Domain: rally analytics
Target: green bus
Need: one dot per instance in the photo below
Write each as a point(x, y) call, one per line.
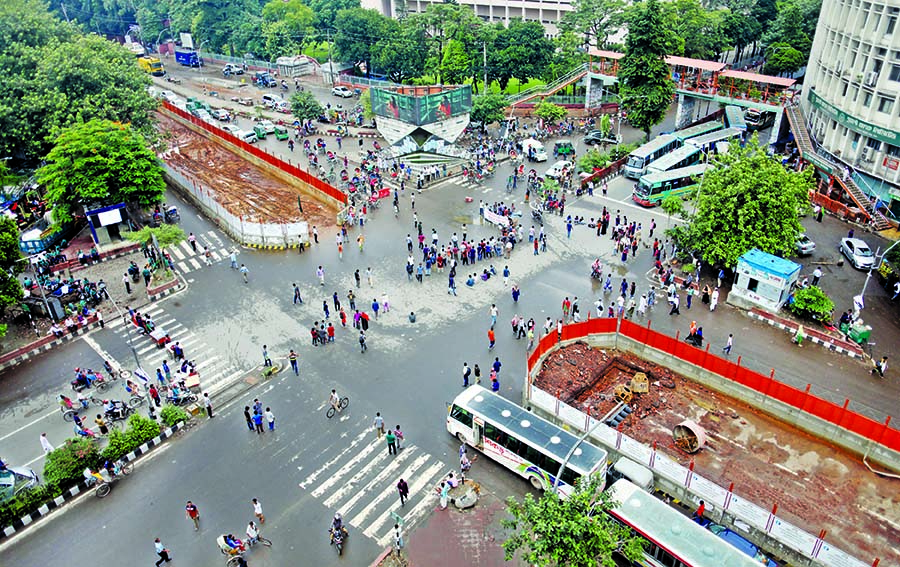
point(698, 130)
point(653, 188)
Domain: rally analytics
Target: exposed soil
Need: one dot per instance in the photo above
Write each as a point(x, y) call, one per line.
point(815, 485)
point(240, 187)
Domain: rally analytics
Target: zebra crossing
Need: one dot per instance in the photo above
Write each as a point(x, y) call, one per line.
point(186, 259)
point(360, 483)
point(215, 371)
point(469, 185)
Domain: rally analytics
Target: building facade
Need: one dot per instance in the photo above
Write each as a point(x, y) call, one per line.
point(547, 12)
point(852, 87)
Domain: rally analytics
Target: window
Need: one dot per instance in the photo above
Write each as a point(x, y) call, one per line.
point(844, 90)
point(753, 285)
point(892, 151)
point(891, 24)
point(867, 100)
point(873, 144)
point(895, 73)
point(461, 416)
point(885, 104)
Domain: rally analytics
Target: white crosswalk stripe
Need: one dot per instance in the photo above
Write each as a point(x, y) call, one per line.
point(215, 371)
point(187, 260)
point(360, 483)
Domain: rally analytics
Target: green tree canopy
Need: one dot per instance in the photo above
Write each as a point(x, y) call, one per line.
point(645, 81)
point(549, 111)
point(305, 106)
point(488, 108)
point(11, 291)
point(401, 53)
point(574, 532)
point(524, 50)
point(100, 163)
point(55, 77)
point(595, 20)
point(782, 58)
point(455, 63)
point(166, 235)
point(358, 31)
point(747, 200)
point(286, 26)
point(788, 28)
point(700, 32)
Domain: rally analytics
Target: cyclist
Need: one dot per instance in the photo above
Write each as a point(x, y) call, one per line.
point(335, 401)
point(252, 533)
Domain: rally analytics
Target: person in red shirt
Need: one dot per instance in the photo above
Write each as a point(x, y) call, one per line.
point(491, 338)
point(330, 333)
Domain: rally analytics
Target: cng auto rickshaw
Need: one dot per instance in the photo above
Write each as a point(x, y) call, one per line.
point(260, 132)
point(281, 133)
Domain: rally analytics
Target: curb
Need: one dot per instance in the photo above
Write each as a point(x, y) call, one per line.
point(381, 556)
point(49, 345)
point(273, 246)
point(76, 267)
point(832, 345)
point(81, 487)
point(168, 291)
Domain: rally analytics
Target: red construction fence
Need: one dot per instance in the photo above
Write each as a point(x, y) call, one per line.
point(802, 400)
point(314, 182)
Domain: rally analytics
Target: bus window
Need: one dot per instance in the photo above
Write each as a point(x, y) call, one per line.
point(495, 434)
point(568, 476)
point(461, 415)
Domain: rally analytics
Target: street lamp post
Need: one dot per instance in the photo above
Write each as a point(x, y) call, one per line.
point(159, 37)
point(41, 287)
point(874, 264)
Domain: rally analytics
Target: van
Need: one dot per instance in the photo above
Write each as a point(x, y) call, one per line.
point(537, 153)
point(636, 474)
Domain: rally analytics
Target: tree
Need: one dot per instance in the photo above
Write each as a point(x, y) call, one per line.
point(782, 58)
point(741, 28)
point(286, 26)
point(326, 13)
point(595, 20)
point(574, 532)
point(549, 111)
point(11, 291)
point(304, 106)
point(358, 31)
point(788, 28)
point(567, 54)
point(166, 235)
point(524, 50)
point(455, 63)
point(812, 303)
point(400, 54)
point(55, 77)
point(747, 200)
point(700, 32)
point(645, 80)
point(487, 109)
point(672, 205)
point(605, 126)
point(100, 163)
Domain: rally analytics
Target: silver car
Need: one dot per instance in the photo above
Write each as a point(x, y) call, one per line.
point(805, 246)
point(858, 252)
point(14, 480)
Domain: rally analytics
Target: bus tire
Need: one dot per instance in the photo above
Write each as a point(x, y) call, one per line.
point(536, 482)
point(460, 437)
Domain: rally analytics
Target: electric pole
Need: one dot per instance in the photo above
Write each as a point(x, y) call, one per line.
point(484, 53)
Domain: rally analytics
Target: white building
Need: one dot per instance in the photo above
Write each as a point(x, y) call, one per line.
point(852, 85)
point(548, 12)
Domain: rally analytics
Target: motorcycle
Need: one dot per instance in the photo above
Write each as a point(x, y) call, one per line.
point(182, 400)
point(337, 538)
point(134, 272)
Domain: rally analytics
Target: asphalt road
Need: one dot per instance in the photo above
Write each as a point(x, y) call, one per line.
point(311, 466)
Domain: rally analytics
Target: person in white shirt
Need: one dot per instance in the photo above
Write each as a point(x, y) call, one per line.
point(252, 532)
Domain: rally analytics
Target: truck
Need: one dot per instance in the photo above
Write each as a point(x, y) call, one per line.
point(187, 57)
point(264, 79)
point(151, 64)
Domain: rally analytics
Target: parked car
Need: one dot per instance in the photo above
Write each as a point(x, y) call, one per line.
point(805, 246)
point(248, 136)
point(595, 137)
point(232, 69)
point(232, 129)
point(858, 252)
point(220, 114)
point(14, 480)
point(557, 169)
point(342, 92)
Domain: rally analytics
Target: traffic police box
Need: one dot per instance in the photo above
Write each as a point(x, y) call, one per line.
point(763, 280)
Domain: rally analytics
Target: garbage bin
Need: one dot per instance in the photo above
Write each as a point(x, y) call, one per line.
point(859, 333)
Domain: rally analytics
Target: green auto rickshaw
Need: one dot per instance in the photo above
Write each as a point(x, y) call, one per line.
point(281, 133)
point(260, 132)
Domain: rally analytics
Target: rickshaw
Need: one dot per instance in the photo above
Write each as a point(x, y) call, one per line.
point(281, 133)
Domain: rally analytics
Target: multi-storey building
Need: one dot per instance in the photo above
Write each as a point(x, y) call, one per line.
point(548, 12)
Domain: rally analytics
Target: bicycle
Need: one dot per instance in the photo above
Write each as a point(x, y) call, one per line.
point(121, 469)
point(343, 403)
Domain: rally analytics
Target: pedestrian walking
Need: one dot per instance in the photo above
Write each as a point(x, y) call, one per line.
point(45, 443)
point(266, 360)
point(817, 275)
point(297, 298)
point(292, 356)
point(675, 300)
point(193, 240)
point(355, 277)
point(378, 424)
point(100, 318)
point(689, 295)
point(207, 402)
point(399, 435)
point(162, 552)
point(336, 301)
point(505, 275)
point(728, 344)
point(466, 373)
point(193, 514)
point(233, 257)
point(244, 271)
point(320, 273)
point(444, 492)
point(248, 417)
point(491, 338)
point(127, 282)
point(257, 511)
point(714, 300)
point(720, 277)
point(315, 232)
point(270, 418)
point(391, 442)
point(494, 313)
point(403, 490)
point(362, 340)
point(325, 309)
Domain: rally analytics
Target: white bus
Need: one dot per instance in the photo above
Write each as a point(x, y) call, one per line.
point(684, 156)
point(708, 142)
point(521, 441)
point(671, 538)
point(639, 159)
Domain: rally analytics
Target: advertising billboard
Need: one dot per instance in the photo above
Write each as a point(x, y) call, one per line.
point(424, 109)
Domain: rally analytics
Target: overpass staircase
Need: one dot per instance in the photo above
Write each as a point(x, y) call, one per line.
point(548, 89)
point(807, 152)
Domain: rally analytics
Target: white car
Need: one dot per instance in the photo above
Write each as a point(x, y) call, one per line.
point(248, 136)
point(559, 168)
point(858, 252)
point(231, 129)
point(221, 114)
point(268, 125)
point(342, 92)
